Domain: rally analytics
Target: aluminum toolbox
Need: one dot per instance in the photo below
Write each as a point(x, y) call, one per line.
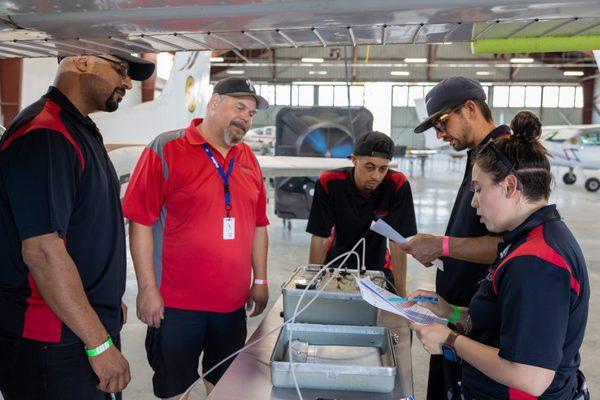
point(335, 377)
point(336, 305)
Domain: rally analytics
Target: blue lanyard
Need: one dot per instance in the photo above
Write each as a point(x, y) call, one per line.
point(223, 175)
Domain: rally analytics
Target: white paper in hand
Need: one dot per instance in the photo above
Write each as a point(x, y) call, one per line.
point(379, 297)
point(384, 229)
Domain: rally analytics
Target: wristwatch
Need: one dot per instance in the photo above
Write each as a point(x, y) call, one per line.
point(448, 347)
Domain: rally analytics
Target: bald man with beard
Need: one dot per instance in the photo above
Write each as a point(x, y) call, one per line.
point(62, 274)
point(198, 236)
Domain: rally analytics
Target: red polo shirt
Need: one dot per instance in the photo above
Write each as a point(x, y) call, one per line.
point(177, 190)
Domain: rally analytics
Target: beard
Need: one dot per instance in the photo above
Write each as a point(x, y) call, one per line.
point(112, 103)
point(231, 137)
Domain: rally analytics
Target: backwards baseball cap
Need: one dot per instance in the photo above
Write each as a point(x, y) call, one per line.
point(374, 144)
point(139, 69)
point(240, 86)
point(447, 94)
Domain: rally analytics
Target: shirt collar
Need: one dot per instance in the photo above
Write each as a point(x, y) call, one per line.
point(499, 131)
point(192, 133)
point(65, 104)
point(541, 216)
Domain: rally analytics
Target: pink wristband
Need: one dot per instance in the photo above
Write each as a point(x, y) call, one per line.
point(260, 281)
point(446, 246)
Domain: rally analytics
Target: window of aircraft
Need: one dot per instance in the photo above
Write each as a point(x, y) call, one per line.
point(2, 129)
point(590, 139)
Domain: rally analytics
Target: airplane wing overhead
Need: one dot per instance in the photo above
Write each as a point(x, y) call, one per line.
point(36, 28)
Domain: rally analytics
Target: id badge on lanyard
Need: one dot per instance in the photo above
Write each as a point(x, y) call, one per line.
point(228, 221)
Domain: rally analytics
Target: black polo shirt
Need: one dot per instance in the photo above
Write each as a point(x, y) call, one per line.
point(533, 306)
point(338, 204)
point(55, 176)
point(457, 282)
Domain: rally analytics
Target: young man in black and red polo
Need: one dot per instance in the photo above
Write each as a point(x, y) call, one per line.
point(62, 239)
point(347, 200)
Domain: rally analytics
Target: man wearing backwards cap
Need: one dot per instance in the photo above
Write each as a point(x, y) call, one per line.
point(347, 200)
point(198, 232)
point(62, 239)
point(460, 116)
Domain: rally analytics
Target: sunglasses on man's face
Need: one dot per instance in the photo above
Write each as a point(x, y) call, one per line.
point(121, 67)
point(511, 169)
point(440, 123)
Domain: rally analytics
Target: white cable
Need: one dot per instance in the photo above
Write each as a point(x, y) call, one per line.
point(293, 318)
point(296, 313)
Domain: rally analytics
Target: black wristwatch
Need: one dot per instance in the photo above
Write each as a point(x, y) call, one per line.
point(448, 347)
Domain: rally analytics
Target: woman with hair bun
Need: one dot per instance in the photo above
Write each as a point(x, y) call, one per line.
point(521, 334)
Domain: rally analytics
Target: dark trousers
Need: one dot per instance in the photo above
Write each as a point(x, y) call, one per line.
point(31, 370)
point(442, 374)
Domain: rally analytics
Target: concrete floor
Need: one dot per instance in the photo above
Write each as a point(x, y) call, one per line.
point(433, 197)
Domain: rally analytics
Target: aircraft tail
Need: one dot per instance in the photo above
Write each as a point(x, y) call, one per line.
point(183, 98)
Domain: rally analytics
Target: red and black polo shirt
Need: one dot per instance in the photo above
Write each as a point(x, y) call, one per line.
point(176, 189)
point(341, 213)
point(533, 306)
point(55, 176)
point(458, 281)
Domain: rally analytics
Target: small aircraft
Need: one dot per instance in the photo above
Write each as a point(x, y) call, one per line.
point(575, 147)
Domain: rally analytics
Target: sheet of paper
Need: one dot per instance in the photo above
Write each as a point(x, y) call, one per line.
point(379, 297)
point(384, 229)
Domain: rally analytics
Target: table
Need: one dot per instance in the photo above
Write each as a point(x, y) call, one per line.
point(249, 376)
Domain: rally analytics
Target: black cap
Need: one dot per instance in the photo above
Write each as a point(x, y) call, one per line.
point(449, 93)
point(139, 69)
point(374, 144)
point(240, 86)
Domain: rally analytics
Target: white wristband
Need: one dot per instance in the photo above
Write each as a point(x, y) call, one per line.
point(260, 281)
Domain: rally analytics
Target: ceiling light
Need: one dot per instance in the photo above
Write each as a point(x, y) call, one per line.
point(400, 73)
point(312, 60)
point(415, 60)
point(217, 59)
point(518, 60)
point(317, 72)
point(484, 73)
point(573, 73)
point(235, 71)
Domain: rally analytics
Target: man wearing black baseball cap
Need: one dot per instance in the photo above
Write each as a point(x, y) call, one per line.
point(460, 116)
point(347, 200)
point(64, 273)
point(197, 198)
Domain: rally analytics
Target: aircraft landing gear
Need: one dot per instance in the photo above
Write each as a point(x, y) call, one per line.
point(592, 184)
point(569, 178)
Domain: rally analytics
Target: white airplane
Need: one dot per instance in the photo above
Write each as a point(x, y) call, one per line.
point(575, 147)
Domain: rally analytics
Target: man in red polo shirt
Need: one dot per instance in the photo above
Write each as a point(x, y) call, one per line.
point(198, 229)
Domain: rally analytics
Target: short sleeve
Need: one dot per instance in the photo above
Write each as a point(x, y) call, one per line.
point(534, 303)
point(320, 219)
point(145, 192)
point(261, 205)
point(41, 173)
point(402, 212)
